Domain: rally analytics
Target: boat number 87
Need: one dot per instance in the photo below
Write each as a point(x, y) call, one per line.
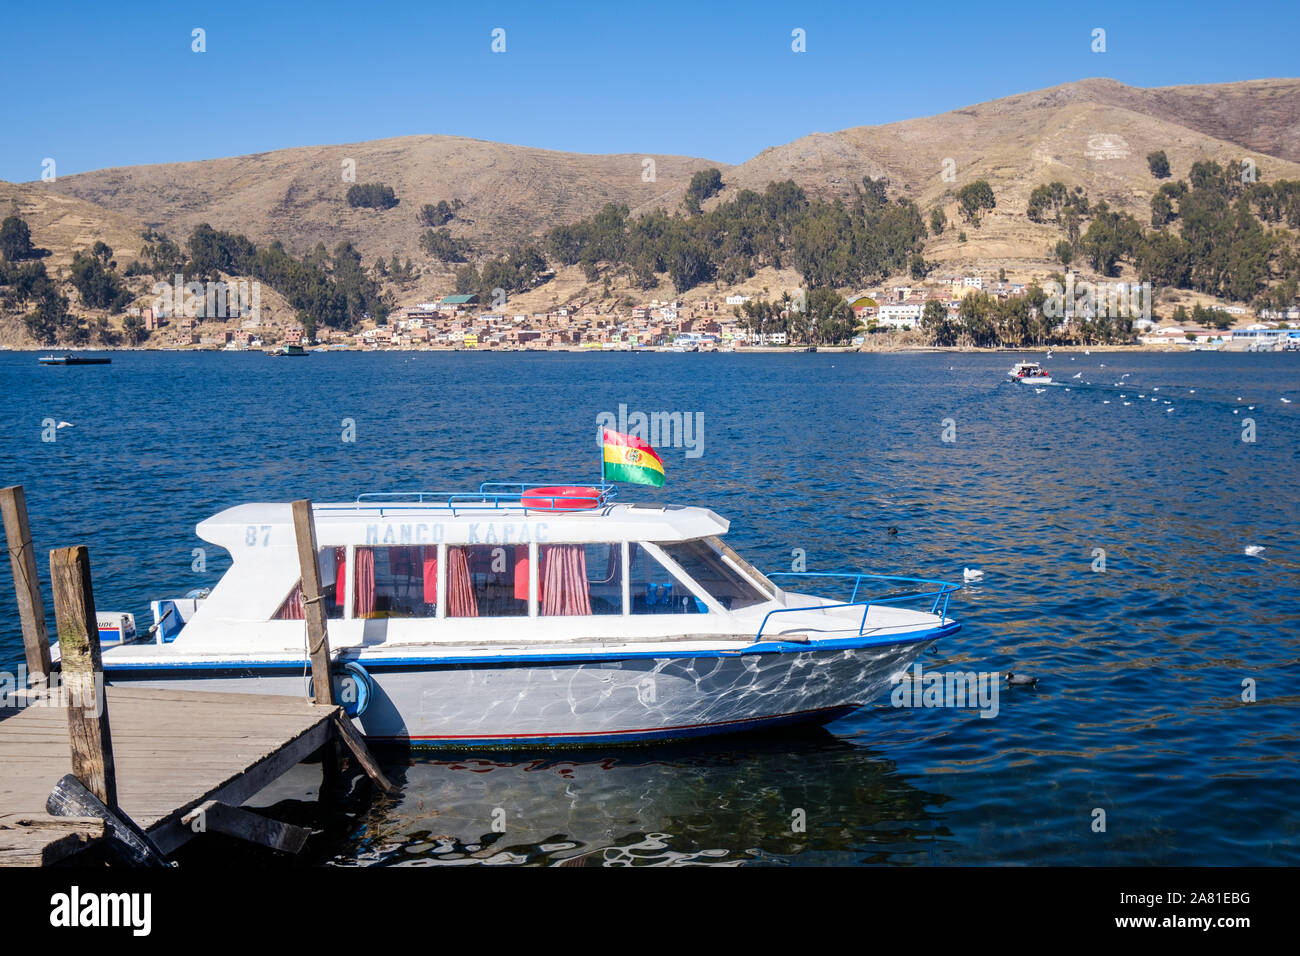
point(251, 534)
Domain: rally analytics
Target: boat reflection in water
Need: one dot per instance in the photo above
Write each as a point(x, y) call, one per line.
point(749, 799)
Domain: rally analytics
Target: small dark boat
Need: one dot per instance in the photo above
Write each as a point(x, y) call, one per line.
point(73, 360)
point(285, 350)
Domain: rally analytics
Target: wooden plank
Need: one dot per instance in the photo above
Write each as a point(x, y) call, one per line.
point(212, 816)
point(313, 608)
point(74, 615)
point(169, 832)
point(126, 841)
point(31, 607)
point(348, 734)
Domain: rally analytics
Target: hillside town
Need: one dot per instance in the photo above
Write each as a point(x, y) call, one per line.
point(888, 317)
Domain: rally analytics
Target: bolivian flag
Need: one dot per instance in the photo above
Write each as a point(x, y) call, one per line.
point(628, 458)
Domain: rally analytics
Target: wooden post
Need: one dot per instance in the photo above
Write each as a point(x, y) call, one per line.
point(83, 672)
point(31, 608)
point(313, 610)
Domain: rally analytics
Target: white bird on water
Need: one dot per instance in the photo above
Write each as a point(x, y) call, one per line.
point(1254, 550)
point(1039, 391)
point(64, 425)
point(1127, 404)
point(1106, 401)
point(971, 574)
point(1078, 375)
point(1287, 401)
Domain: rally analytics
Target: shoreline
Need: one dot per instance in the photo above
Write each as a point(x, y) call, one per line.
point(758, 350)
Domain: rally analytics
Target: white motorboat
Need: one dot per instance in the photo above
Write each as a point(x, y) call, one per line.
point(1029, 373)
point(522, 616)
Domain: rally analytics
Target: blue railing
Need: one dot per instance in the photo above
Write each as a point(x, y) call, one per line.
point(939, 604)
point(492, 495)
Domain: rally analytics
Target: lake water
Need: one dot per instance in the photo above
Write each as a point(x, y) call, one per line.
point(1138, 711)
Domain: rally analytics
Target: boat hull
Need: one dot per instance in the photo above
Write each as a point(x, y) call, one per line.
point(633, 699)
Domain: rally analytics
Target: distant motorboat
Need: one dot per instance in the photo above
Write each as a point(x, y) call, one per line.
point(72, 360)
point(1029, 373)
point(288, 350)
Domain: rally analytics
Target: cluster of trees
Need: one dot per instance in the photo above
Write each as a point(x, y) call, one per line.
point(159, 257)
point(1158, 163)
point(372, 196)
point(332, 288)
point(973, 199)
point(1059, 203)
point(444, 212)
point(1200, 315)
point(1222, 232)
point(95, 277)
point(522, 269)
point(25, 284)
point(704, 184)
point(440, 244)
point(823, 317)
point(1017, 321)
point(16, 241)
point(831, 243)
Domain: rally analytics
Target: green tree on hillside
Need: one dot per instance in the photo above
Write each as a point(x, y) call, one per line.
point(1158, 163)
point(974, 198)
point(16, 240)
point(704, 184)
point(372, 196)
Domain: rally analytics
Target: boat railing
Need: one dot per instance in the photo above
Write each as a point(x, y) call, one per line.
point(523, 496)
point(937, 592)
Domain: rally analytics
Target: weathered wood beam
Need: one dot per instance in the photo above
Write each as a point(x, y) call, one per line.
point(31, 607)
point(348, 734)
point(313, 608)
point(213, 816)
point(126, 842)
point(83, 672)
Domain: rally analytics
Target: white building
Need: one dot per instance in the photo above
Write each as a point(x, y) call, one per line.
point(900, 314)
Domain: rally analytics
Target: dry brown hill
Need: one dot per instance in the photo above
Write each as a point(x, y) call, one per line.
point(298, 195)
point(1095, 133)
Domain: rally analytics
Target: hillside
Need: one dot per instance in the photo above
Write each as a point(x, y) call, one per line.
point(298, 196)
point(1094, 133)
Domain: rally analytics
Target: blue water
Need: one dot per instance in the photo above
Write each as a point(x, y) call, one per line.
point(1138, 711)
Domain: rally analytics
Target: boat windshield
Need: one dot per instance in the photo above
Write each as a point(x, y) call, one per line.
point(704, 564)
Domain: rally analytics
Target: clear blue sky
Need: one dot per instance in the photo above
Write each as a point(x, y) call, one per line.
point(111, 84)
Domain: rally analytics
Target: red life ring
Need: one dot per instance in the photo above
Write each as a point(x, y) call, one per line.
point(561, 498)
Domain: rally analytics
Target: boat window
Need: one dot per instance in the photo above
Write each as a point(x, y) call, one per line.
point(333, 590)
point(580, 579)
point(655, 589)
point(707, 569)
point(487, 581)
point(396, 582)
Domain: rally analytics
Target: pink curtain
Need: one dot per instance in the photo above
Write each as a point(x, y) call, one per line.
point(564, 580)
point(521, 572)
point(460, 586)
point(365, 573)
point(291, 609)
point(430, 575)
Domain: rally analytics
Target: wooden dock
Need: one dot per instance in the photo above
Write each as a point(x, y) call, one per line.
point(175, 763)
point(174, 752)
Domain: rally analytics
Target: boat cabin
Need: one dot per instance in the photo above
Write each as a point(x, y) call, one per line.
point(448, 568)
